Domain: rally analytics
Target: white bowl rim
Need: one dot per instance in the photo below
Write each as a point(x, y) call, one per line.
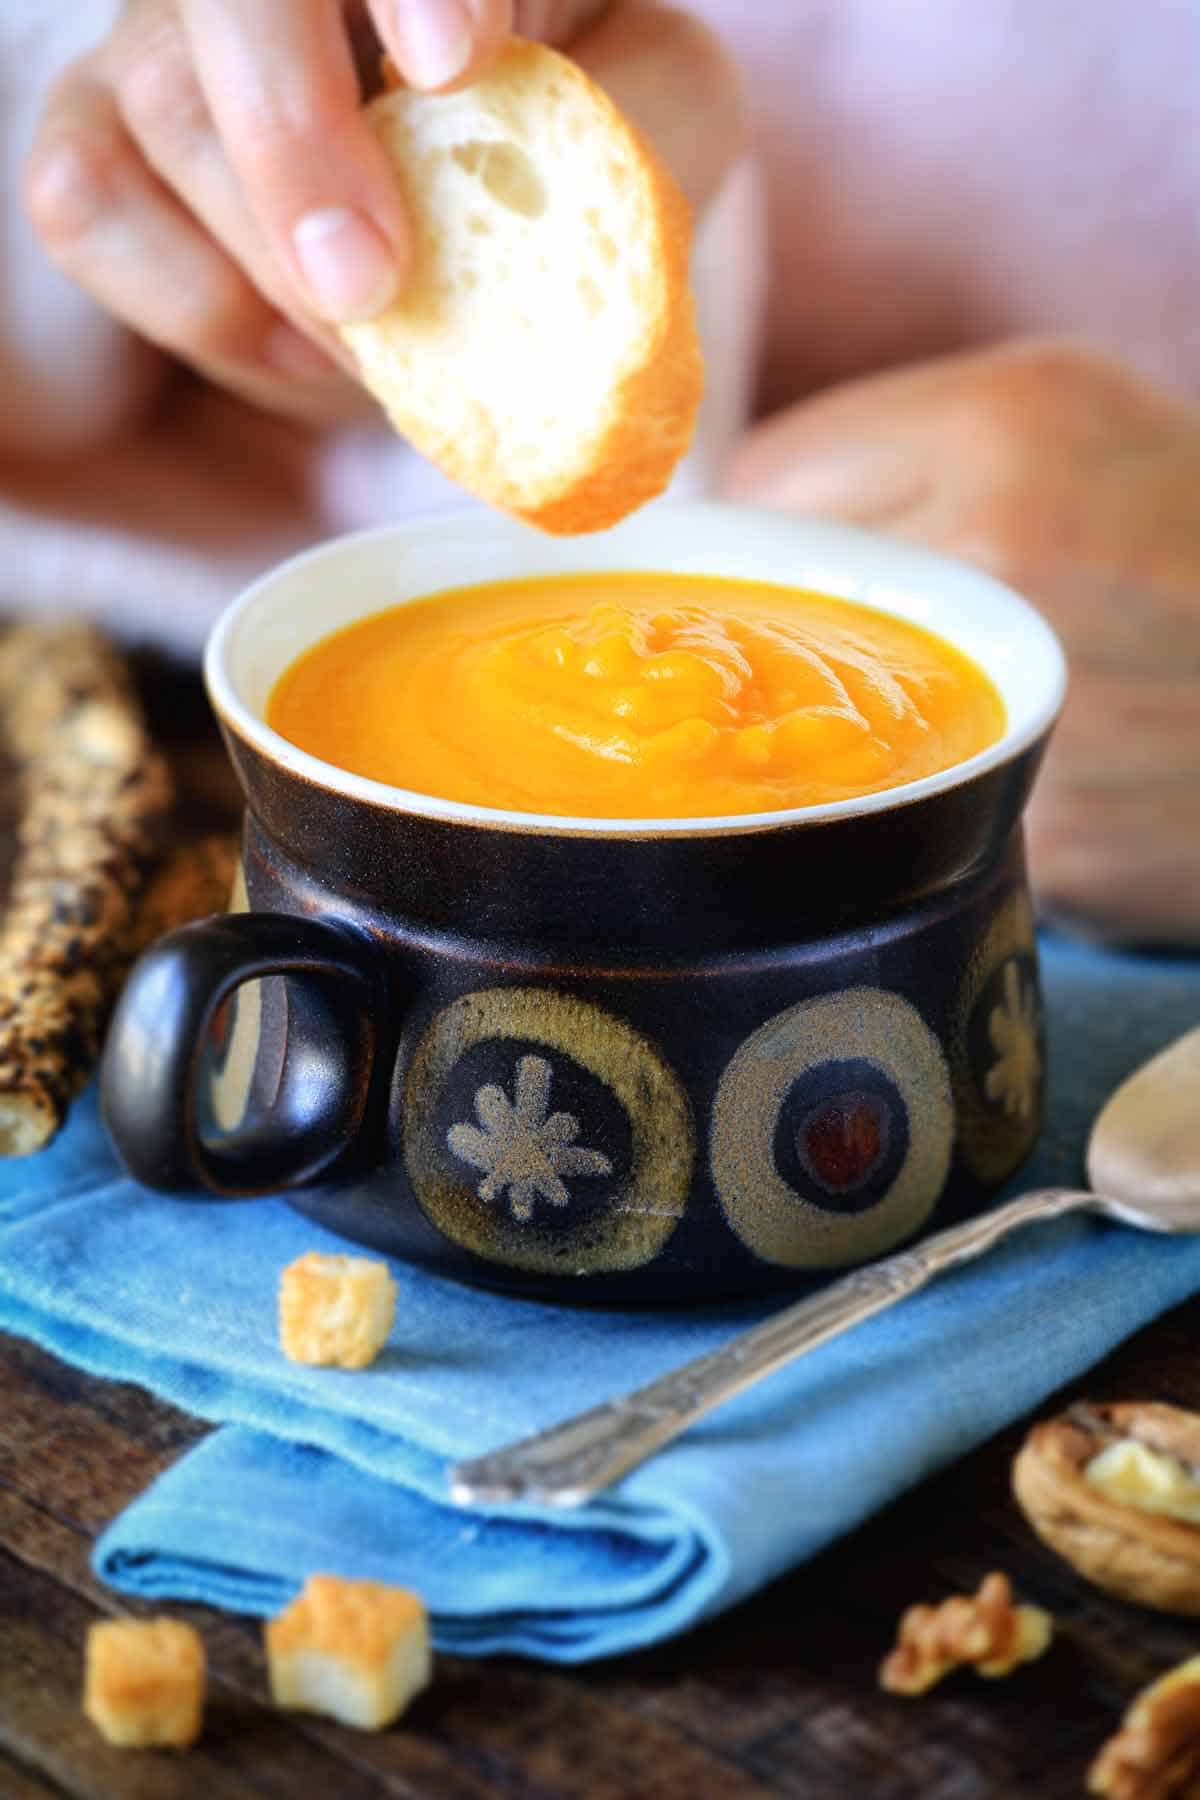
point(834, 540)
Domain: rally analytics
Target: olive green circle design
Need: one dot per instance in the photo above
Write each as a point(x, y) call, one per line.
point(770, 1218)
point(991, 1142)
point(639, 1219)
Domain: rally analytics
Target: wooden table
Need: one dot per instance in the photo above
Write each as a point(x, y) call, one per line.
point(776, 1698)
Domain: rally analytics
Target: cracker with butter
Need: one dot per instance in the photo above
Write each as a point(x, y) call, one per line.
point(1115, 1490)
point(544, 350)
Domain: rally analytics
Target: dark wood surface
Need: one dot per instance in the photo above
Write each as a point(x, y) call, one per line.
point(778, 1697)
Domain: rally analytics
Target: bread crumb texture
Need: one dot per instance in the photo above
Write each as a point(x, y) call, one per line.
point(544, 351)
point(356, 1651)
point(1111, 1488)
point(335, 1310)
point(144, 1682)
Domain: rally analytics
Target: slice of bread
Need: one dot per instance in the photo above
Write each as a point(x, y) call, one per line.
point(544, 352)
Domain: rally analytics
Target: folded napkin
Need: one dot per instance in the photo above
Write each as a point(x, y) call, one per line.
point(320, 1469)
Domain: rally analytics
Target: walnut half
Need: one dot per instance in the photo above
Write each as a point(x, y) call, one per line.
point(984, 1629)
point(1156, 1753)
point(1115, 1490)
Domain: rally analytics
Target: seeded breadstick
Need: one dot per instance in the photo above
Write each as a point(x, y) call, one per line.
point(93, 803)
point(194, 880)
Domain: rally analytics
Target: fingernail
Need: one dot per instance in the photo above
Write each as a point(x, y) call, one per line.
point(346, 263)
point(288, 350)
point(437, 40)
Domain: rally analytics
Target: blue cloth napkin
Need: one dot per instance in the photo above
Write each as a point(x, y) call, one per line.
point(319, 1469)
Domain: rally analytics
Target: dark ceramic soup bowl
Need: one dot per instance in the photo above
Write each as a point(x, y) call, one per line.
point(615, 1060)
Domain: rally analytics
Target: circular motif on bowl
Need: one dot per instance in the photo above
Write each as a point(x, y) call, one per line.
point(544, 1133)
point(832, 1130)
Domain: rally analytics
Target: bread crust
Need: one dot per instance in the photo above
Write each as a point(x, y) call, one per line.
point(651, 406)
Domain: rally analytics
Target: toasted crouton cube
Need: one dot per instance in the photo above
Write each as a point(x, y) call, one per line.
point(335, 1309)
point(144, 1682)
point(356, 1651)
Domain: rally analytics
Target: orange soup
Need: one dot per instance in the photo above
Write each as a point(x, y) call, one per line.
point(637, 696)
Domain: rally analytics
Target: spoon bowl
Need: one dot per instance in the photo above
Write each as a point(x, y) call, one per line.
point(1143, 1159)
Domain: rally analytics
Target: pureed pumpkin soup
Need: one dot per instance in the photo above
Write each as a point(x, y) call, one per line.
point(631, 695)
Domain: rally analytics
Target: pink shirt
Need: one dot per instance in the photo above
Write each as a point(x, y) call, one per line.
point(946, 172)
point(937, 175)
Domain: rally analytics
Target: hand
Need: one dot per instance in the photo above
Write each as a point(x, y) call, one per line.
point(205, 173)
point(1074, 480)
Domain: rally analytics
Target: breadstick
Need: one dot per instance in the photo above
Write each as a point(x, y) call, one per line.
point(193, 880)
point(93, 798)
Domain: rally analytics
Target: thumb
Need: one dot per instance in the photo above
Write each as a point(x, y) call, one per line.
point(863, 482)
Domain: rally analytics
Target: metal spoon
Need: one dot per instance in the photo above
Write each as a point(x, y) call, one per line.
point(1143, 1163)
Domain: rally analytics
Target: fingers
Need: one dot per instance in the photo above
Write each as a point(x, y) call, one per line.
point(148, 62)
point(1124, 729)
point(220, 144)
point(870, 482)
point(441, 43)
point(824, 461)
point(1074, 482)
point(1120, 864)
point(279, 80)
point(108, 222)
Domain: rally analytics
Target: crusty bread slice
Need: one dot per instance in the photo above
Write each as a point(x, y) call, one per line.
point(544, 352)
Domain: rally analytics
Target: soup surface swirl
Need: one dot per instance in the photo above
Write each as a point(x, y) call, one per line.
point(637, 695)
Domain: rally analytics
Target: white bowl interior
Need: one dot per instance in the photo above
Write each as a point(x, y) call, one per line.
point(303, 600)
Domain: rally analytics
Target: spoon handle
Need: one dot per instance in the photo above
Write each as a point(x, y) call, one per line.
point(569, 1462)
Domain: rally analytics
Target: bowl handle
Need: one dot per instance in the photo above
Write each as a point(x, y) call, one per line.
point(154, 1054)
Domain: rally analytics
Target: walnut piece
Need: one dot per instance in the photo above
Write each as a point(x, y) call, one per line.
point(1156, 1753)
point(1109, 1487)
point(984, 1629)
